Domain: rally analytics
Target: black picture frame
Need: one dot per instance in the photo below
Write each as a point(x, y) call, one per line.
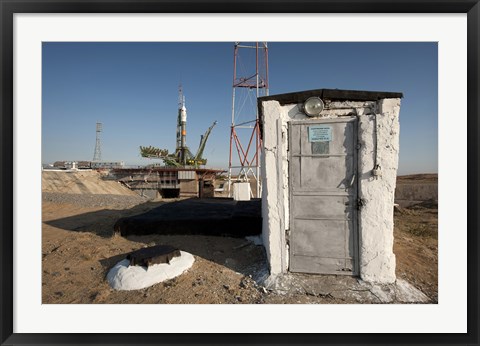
point(7, 10)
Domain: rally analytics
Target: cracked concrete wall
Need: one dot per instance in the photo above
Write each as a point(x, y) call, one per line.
point(275, 186)
point(377, 261)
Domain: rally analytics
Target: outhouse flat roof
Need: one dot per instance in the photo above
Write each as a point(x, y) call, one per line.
point(331, 94)
point(325, 94)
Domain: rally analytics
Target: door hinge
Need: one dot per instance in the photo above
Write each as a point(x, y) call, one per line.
point(360, 203)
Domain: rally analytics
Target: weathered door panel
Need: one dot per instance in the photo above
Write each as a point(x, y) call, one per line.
point(324, 173)
point(323, 265)
point(323, 192)
point(314, 206)
point(322, 236)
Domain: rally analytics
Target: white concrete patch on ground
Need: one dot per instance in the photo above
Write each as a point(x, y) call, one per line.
point(344, 287)
point(126, 278)
point(407, 293)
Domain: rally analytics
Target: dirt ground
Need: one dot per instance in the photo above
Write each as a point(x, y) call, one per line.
point(416, 247)
point(82, 182)
point(416, 237)
point(78, 249)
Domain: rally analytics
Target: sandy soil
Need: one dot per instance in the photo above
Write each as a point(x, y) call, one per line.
point(416, 247)
point(75, 263)
point(78, 249)
point(81, 182)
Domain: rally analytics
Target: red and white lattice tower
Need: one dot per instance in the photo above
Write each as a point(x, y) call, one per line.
point(250, 81)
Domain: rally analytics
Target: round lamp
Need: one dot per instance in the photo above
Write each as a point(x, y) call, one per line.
point(313, 106)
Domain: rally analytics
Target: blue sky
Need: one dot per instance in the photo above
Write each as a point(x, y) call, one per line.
point(132, 88)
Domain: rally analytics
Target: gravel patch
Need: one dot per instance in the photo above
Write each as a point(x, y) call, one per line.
point(94, 200)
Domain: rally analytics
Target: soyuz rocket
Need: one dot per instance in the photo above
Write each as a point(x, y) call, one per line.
point(182, 148)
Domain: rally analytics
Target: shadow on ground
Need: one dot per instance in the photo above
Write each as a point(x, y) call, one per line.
point(213, 229)
point(238, 254)
point(100, 222)
point(209, 216)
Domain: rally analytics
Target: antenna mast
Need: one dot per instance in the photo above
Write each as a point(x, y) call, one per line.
point(97, 156)
point(250, 81)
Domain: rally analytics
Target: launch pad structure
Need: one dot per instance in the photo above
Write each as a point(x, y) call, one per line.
point(182, 157)
point(250, 81)
point(183, 174)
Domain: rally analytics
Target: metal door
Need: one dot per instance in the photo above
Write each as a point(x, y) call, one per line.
point(323, 193)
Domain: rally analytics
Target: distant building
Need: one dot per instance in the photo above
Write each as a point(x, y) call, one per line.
point(88, 165)
point(59, 164)
point(65, 165)
point(108, 165)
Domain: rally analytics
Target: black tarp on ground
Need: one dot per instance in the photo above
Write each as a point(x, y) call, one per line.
point(207, 216)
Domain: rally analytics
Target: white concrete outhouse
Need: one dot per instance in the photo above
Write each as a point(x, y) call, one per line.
point(329, 169)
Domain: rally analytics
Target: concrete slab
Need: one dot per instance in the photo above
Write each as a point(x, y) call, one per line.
point(125, 277)
point(406, 293)
point(349, 289)
point(207, 216)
